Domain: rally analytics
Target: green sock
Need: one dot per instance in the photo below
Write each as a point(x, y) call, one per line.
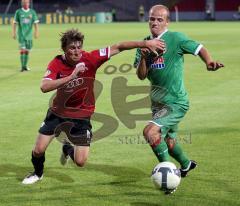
point(178, 154)
point(161, 151)
point(25, 60)
point(22, 57)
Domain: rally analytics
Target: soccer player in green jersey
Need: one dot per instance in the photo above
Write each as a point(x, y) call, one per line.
point(25, 18)
point(168, 95)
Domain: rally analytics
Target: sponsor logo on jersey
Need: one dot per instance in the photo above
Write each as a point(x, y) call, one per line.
point(74, 83)
point(158, 63)
point(102, 52)
point(26, 21)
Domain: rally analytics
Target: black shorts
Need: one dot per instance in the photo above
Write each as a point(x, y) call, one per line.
point(78, 131)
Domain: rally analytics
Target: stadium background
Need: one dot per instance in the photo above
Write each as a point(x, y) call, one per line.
point(125, 10)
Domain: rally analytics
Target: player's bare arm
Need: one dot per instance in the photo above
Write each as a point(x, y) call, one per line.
point(14, 34)
point(152, 45)
point(210, 63)
point(36, 33)
point(142, 69)
point(48, 85)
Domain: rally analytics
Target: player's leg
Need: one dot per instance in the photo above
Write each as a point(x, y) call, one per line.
point(38, 153)
point(81, 155)
point(152, 133)
point(25, 60)
point(26, 56)
point(38, 158)
point(174, 147)
point(79, 134)
point(44, 138)
point(78, 154)
point(22, 47)
point(177, 153)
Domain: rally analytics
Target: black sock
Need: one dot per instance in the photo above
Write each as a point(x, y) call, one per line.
point(38, 164)
point(68, 150)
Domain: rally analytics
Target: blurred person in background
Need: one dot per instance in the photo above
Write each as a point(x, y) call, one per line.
point(141, 13)
point(69, 11)
point(24, 20)
point(114, 17)
point(237, 15)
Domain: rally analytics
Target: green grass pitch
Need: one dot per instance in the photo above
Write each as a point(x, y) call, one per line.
point(118, 169)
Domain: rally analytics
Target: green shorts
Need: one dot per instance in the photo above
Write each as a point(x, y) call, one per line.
point(167, 117)
point(25, 44)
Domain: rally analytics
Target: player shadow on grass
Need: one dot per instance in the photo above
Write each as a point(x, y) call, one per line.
point(145, 204)
point(19, 172)
point(3, 78)
point(124, 175)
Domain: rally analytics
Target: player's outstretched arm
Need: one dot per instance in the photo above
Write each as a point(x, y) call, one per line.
point(152, 45)
point(210, 63)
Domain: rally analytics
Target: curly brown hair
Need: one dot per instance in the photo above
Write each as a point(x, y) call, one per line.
point(69, 37)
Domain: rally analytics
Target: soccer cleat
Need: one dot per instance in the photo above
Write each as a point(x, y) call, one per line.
point(192, 165)
point(64, 156)
point(26, 69)
point(170, 192)
point(31, 179)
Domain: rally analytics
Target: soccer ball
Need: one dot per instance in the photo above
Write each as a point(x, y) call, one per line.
point(166, 176)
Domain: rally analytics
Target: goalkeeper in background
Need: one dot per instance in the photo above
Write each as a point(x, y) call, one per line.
point(25, 18)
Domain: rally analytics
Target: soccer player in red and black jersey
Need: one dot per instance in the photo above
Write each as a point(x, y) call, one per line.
point(72, 75)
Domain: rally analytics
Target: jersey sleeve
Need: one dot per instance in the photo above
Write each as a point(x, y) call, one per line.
point(16, 17)
point(137, 58)
point(35, 17)
point(52, 71)
point(189, 46)
point(99, 56)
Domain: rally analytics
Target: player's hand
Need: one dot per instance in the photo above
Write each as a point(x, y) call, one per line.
point(145, 52)
point(156, 46)
point(14, 36)
point(80, 68)
point(213, 66)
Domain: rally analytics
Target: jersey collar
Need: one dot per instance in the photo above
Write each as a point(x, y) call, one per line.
point(25, 10)
point(160, 35)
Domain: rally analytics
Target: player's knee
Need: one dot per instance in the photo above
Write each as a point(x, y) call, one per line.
point(146, 132)
point(80, 162)
point(38, 152)
point(150, 133)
